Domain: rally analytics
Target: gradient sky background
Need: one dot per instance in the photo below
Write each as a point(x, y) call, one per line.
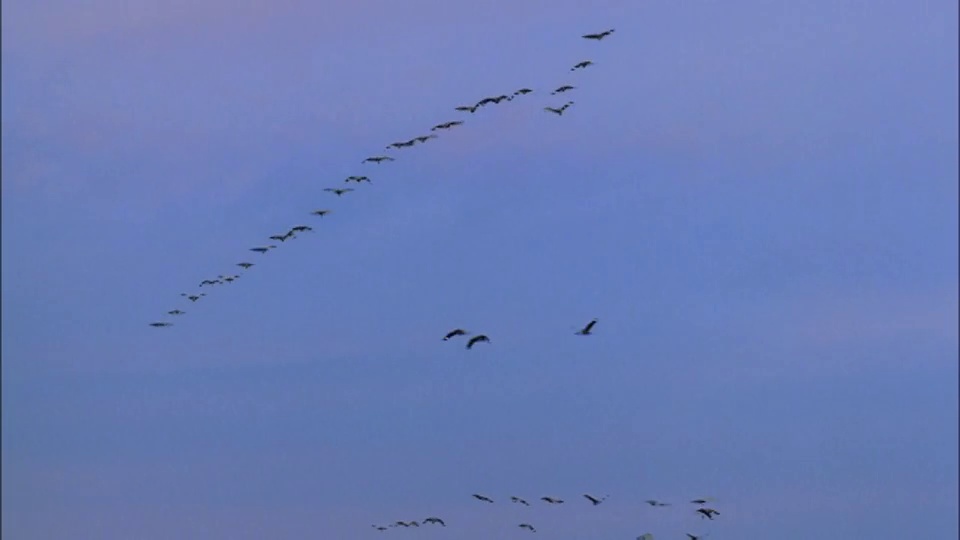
point(758, 200)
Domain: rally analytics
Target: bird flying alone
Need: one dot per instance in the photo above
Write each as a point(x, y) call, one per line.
point(522, 92)
point(338, 191)
point(593, 499)
point(599, 35)
point(551, 500)
point(435, 520)
point(176, 312)
point(588, 329)
point(263, 249)
point(160, 324)
point(562, 89)
point(358, 179)
point(378, 159)
point(483, 498)
point(477, 339)
point(518, 500)
point(581, 65)
point(559, 111)
point(245, 265)
point(454, 333)
point(527, 526)
point(320, 213)
point(193, 297)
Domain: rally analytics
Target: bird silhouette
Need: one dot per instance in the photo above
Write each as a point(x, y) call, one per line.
point(593, 499)
point(455, 332)
point(562, 89)
point(378, 159)
point(161, 324)
point(483, 498)
point(519, 501)
point(588, 329)
point(598, 36)
point(552, 500)
point(527, 526)
point(435, 520)
point(339, 191)
point(245, 265)
point(581, 65)
point(320, 213)
point(477, 339)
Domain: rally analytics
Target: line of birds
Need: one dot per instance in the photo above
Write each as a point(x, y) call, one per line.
point(704, 512)
point(379, 159)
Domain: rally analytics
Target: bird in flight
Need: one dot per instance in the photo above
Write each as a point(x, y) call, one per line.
point(707, 513)
point(562, 89)
point(378, 159)
point(263, 249)
point(527, 526)
point(598, 36)
point(693, 536)
point(447, 125)
point(320, 213)
point(477, 339)
point(652, 502)
point(559, 111)
point(522, 91)
point(551, 500)
point(435, 520)
point(454, 333)
point(581, 65)
point(467, 108)
point(700, 501)
point(245, 265)
point(588, 329)
point(193, 297)
point(519, 500)
point(379, 527)
point(160, 324)
point(593, 499)
point(358, 179)
point(282, 237)
point(176, 312)
point(338, 191)
point(210, 282)
point(483, 498)
point(424, 138)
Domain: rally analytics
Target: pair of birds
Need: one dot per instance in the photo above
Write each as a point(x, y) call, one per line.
point(480, 338)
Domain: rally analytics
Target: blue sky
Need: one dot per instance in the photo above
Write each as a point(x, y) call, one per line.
point(758, 201)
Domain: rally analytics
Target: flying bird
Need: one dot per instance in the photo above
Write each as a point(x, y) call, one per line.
point(301, 228)
point(245, 265)
point(693, 536)
point(527, 526)
point(210, 282)
point(483, 498)
point(454, 333)
point(379, 527)
point(522, 91)
point(446, 125)
point(160, 324)
point(700, 501)
point(176, 312)
point(593, 499)
point(262, 249)
point(562, 89)
point(581, 65)
point(599, 36)
point(424, 138)
point(519, 500)
point(320, 213)
point(358, 179)
point(652, 502)
point(193, 297)
point(588, 329)
point(707, 513)
point(435, 520)
point(282, 237)
point(559, 111)
point(378, 159)
point(467, 108)
point(551, 500)
point(477, 339)
point(339, 191)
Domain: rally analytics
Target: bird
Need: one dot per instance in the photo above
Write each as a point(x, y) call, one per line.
point(400, 524)
point(652, 502)
point(320, 213)
point(527, 526)
point(282, 237)
point(483, 498)
point(519, 500)
point(707, 512)
point(338, 191)
point(176, 312)
point(412, 524)
point(379, 527)
point(581, 65)
point(210, 282)
point(522, 91)
point(559, 111)
point(301, 228)
point(477, 339)
point(358, 179)
point(424, 138)
point(193, 297)
point(436, 520)
point(593, 499)
point(447, 125)
point(160, 324)
point(400, 144)
point(467, 108)
point(551, 500)
point(245, 265)
point(700, 501)
point(378, 159)
point(599, 36)
point(562, 89)
point(588, 329)
point(693, 536)
point(262, 249)
point(454, 333)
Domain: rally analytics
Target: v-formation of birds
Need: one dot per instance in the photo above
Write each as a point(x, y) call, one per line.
point(341, 190)
point(703, 511)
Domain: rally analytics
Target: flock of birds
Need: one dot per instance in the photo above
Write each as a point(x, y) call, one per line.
point(703, 511)
point(474, 338)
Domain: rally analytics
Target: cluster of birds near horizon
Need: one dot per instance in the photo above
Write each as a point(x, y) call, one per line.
point(472, 338)
point(703, 511)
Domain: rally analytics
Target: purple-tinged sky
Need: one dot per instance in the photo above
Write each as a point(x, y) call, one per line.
point(758, 200)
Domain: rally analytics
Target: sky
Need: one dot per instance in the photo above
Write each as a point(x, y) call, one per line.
point(757, 200)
